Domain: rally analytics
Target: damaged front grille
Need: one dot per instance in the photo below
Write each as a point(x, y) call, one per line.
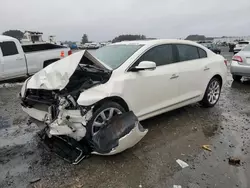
point(39, 96)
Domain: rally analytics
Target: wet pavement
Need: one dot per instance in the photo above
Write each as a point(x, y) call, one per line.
point(179, 134)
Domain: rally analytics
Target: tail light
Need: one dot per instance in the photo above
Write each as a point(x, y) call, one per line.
point(69, 52)
point(225, 61)
point(62, 54)
point(237, 58)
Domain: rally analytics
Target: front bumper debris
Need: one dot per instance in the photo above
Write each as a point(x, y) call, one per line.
point(121, 133)
point(65, 147)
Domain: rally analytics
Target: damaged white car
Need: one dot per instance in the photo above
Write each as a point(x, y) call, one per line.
point(80, 95)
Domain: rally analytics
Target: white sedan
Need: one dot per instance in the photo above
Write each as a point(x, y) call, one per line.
point(146, 77)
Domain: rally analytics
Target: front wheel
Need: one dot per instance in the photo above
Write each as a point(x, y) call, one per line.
point(102, 115)
point(212, 93)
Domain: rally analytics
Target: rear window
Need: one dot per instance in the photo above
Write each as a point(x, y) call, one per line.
point(40, 47)
point(202, 53)
point(8, 48)
point(187, 52)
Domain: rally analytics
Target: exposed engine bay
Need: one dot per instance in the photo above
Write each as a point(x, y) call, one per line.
point(54, 97)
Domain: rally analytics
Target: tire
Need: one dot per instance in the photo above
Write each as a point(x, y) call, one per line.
point(211, 97)
point(237, 78)
point(96, 113)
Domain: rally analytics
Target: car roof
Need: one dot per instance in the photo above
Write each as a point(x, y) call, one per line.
point(4, 38)
point(156, 41)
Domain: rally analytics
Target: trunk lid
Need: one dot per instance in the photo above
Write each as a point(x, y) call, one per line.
point(56, 76)
point(245, 55)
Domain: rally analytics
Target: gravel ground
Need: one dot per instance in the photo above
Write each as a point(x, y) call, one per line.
point(151, 163)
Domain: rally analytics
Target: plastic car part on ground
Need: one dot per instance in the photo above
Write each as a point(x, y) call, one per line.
point(206, 147)
point(182, 163)
point(122, 132)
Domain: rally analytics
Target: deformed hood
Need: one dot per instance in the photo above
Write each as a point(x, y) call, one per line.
point(56, 76)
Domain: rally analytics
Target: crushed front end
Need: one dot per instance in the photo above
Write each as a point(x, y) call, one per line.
point(51, 96)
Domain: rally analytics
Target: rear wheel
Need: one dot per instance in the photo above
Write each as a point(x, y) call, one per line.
point(237, 78)
point(212, 93)
point(102, 115)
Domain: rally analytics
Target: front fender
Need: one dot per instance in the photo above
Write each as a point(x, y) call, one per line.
point(97, 93)
point(91, 96)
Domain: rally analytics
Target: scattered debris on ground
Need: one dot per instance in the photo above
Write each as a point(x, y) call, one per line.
point(234, 161)
point(8, 85)
point(182, 163)
point(206, 147)
point(35, 180)
point(177, 186)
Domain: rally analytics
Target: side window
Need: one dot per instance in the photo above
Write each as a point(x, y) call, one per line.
point(187, 52)
point(202, 53)
point(161, 55)
point(8, 48)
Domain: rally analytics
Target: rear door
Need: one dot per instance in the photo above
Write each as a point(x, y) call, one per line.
point(13, 60)
point(192, 66)
point(149, 92)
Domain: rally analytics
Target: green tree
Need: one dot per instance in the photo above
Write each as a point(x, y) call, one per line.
point(85, 39)
point(128, 37)
point(14, 33)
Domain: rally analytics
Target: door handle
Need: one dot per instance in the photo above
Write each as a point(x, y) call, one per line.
point(174, 76)
point(19, 58)
point(206, 68)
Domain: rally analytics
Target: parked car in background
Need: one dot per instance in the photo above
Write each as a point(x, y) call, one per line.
point(18, 60)
point(240, 46)
point(73, 46)
point(231, 46)
point(146, 77)
point(240, 65)
point(92, 45)
point(213, 47)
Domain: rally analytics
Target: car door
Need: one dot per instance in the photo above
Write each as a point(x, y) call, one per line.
point(151, 91)
point(12, 59)
point(191, 66)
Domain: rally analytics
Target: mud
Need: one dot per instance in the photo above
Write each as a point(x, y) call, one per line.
point(179, 134)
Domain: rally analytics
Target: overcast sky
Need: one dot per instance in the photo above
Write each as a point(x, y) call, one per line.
point(105, 19)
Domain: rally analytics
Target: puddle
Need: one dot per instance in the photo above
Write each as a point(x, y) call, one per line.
point(4, 122)
point(8, 85)
point(17, 135)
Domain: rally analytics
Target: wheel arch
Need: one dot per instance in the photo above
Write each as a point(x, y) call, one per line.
point(49, 61)
point(115, 99)
point(215, 76)
point(219, 77)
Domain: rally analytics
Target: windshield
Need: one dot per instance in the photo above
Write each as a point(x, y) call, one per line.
point(247, 48)
point(116, 55)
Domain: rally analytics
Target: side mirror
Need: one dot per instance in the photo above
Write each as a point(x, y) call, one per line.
point(144, 65)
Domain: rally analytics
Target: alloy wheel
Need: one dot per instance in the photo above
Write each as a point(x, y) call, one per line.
point(103, 117)
point(213, 92)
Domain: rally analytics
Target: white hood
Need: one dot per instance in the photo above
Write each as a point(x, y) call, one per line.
point(57, 75)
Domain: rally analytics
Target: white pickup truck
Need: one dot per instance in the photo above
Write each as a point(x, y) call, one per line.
point(18, 60)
